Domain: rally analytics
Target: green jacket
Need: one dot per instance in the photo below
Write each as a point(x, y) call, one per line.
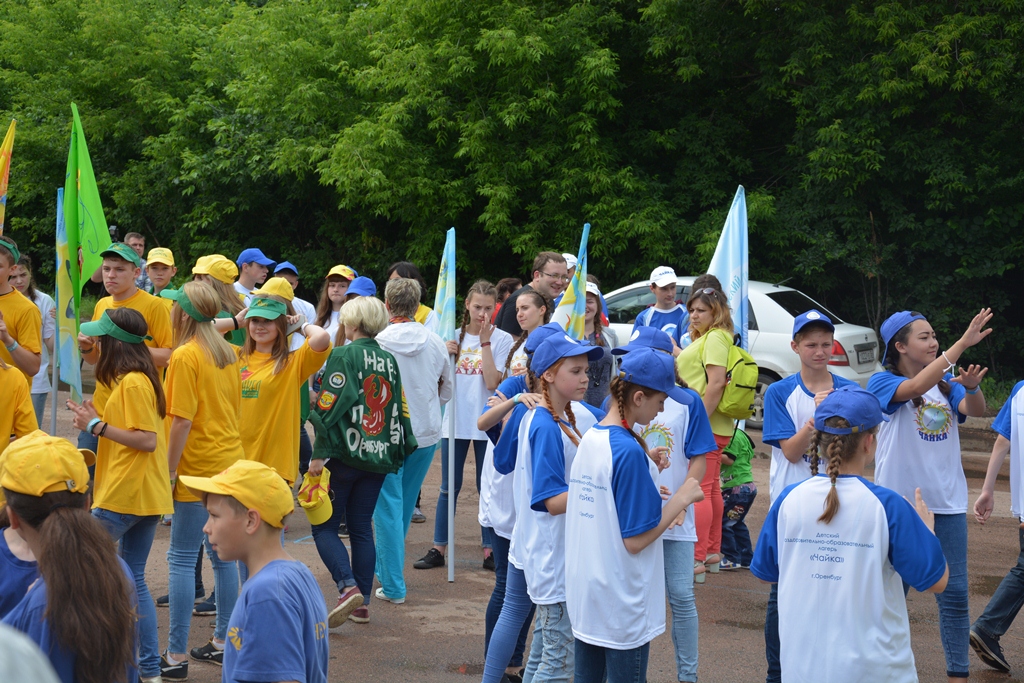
point(360, 416)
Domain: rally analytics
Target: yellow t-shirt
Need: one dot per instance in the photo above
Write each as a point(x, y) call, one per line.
point(17, 416)
point(210, 397)
point(421, 314)
point(24, 323)
point(131, 482)
point(158, 319)
point(713, 351)
point(270, 408)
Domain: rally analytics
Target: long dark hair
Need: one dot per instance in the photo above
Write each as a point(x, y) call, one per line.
point(30, 289)
point(324, 307)
point(892, 359)
point(280, 351)
point(539, 300)
point(118, 358)
point(838, 447)
point(408, 269)
point(88, 596)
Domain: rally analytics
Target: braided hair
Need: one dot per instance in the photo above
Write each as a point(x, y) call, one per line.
point(569, 416)
point(540, 301)
point(838, 448)
point(482, 287)
point(621, 390)
point(892, 360)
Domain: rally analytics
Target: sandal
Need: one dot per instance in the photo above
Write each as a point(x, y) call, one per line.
point(699, 572)
point(713, 563)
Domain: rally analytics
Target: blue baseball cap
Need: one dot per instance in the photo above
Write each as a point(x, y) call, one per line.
point(253, 255)
point(362, 286)
point(857, 406)
point(893, 324)
point(559, 346)
point(539, 335)
point(286, 265)
point(646, 338)
point(653, 369)
point(811, 316)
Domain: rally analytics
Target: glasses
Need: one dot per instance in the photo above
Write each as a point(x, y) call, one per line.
point(709, 291)
point(563, 278)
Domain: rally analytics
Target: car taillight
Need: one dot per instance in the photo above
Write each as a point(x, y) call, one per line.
point(839, 356)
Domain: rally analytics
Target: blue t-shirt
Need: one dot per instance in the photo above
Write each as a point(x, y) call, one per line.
point(507, 447)
point(1003, 424)
point(278, 629)
point(637, 501)
point(15, 577)
point(508, 388)
point(672, 322)
point(548, 456)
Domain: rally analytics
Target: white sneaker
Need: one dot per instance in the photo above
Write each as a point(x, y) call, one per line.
point(379, 594)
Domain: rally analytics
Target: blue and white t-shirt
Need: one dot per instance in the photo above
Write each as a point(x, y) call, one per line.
point(788, 405)
point(615, 599)
point(841, 584)
point(1008, 424)
point(672, 322)
point(920, 446)
point(16, 575)
point(683, 428)
point(278, 629)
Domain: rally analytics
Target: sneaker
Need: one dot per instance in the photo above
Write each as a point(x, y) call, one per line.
point(489, 562)
point(418, 517)
point(432, 559)
point(164, 600)
point(173, 672)
point(727, 566)
point(989, 651)
point(379, 594)
point(165, 520)
point(206, 607)
point(347, 603)
point(361, 615)
point(512, 678)
point(208, 653)
point(343, 530)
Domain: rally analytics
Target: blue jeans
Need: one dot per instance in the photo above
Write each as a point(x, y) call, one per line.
point(187, 535)
point(1006, 602)
point(305, 450)
point(39, 405)
point(679, 589)
point(516, 610)
point(771, 637)
point(461, 452)
point(551, 653)
point(596, 664)
point(92, 443)
point(500, 547)
point(736, 502)
point(954, 617)
point(354, 493)
point(393, 515)
point(135, 536)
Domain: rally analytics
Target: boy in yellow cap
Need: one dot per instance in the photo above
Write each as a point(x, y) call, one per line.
point(160, 269)
point(278, 629)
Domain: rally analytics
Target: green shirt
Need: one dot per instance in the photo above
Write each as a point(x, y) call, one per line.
point(739, 472)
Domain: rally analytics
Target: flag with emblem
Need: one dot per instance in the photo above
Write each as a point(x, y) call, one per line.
point(571, 311)
point(5, 170)
point(444, 301)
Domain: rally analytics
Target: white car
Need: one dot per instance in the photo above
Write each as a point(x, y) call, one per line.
point(855, 352)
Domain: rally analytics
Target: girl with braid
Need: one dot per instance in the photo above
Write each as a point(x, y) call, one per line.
point(839, 547)
point(532, 311)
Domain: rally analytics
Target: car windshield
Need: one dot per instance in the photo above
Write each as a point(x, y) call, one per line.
point(795, 303)
point(623, 308)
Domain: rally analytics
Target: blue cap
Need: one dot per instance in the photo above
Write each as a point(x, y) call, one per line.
point(857, 406)
point(539, 335)
point(253, 255)
point(646, 338)
point(811, 316)
point(893, 324)
point(362, 286)
point(286, 265)
point(652, 369)
point(559, 346)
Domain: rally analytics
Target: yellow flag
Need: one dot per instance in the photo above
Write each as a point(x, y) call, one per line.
point(5, 170)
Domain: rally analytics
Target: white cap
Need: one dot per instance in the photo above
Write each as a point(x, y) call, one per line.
point(592, 289)
point(663, 276)
point(570, 261)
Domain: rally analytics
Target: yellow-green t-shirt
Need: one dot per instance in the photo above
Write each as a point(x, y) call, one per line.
point(210, 397)
point(24, 323)
point(712, 349)
point(128, 481)
point(271, 411)
point(17, 416)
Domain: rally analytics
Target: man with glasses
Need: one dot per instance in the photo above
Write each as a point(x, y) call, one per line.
point(550, 275)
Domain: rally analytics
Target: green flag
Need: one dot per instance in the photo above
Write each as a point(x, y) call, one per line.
point(86, 227)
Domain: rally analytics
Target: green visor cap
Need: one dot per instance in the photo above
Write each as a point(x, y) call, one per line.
point(11, 248)
point(185, 303)
point(266, 308)
point(122, 250)
point(106, 326)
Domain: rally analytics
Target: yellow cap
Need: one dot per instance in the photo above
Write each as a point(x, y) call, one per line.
point(254, 485)
point(217, 267)
point(160, 255)
point(278, 286)
point(315, 498)
point(38, 463)
point(342, 271)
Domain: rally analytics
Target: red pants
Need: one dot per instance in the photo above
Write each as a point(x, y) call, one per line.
point(708, 512)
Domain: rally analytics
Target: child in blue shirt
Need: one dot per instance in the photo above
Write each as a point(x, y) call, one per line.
point(667, 314)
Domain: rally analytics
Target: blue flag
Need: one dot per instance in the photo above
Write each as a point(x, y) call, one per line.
point(444, 301)
point(571, 311)
point(730, 264)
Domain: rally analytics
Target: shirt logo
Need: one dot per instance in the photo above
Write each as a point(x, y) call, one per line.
point(378, 393)
point(251, 388)
point(326, 400)
point(934, 421)
point(337, 380)
point(657, 434)
point(235, 636)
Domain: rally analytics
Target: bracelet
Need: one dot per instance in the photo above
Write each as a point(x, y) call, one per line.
point(88, 350)
point(92, 425)
point(103, 429)
point(973, 391)
point(234, 319)
point(302, 328)
point(952, 365)
point(14, 345)
point(517, 398)
point(484, 345)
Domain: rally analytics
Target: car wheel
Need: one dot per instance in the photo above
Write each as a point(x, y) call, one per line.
point(756, 420)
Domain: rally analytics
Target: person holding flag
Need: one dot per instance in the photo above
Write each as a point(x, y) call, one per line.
point(20, 321)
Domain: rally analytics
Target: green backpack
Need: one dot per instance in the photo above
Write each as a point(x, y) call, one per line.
point(740, 383)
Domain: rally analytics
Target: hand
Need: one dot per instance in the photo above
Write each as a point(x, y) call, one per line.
point(486, 328)
point(53, 313)
point(453, 347)
point(809, 424)
point(82, 413)
point(174, 478)
point(927, 516)
point(496, 399)
point(240, 317)
point(659, 454)
point(971, 378)
point(691, 491)
point(531, 401)
point(818, 398)
point(975, 333)
point(678, 521)
point(316, 467)
point(665, 493)
point(983, 506)
point(84, 340)
point(292, 319)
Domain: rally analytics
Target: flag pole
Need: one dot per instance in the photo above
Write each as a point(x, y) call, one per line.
point(444, 306)
point(55, 356)
point(451, 476)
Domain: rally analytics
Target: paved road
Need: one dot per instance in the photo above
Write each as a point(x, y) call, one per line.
point(438, 634)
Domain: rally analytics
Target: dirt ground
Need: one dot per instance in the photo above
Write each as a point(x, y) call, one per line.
point(437, 635)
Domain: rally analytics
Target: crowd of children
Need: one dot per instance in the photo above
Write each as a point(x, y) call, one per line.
point(610, 479)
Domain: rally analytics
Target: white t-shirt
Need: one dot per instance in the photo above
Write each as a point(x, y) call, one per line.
point(1008, 423)
point(788, 405)
point(518, 365)
point(471, 392)
point(45, 304)
point(920, 447)
point(615, 599)
point(841, 584)
point(246, 293)
point(304, 308)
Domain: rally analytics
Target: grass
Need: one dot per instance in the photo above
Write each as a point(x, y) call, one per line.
point(88, 305)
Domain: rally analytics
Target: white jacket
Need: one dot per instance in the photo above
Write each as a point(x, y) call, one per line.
point(426, 376)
